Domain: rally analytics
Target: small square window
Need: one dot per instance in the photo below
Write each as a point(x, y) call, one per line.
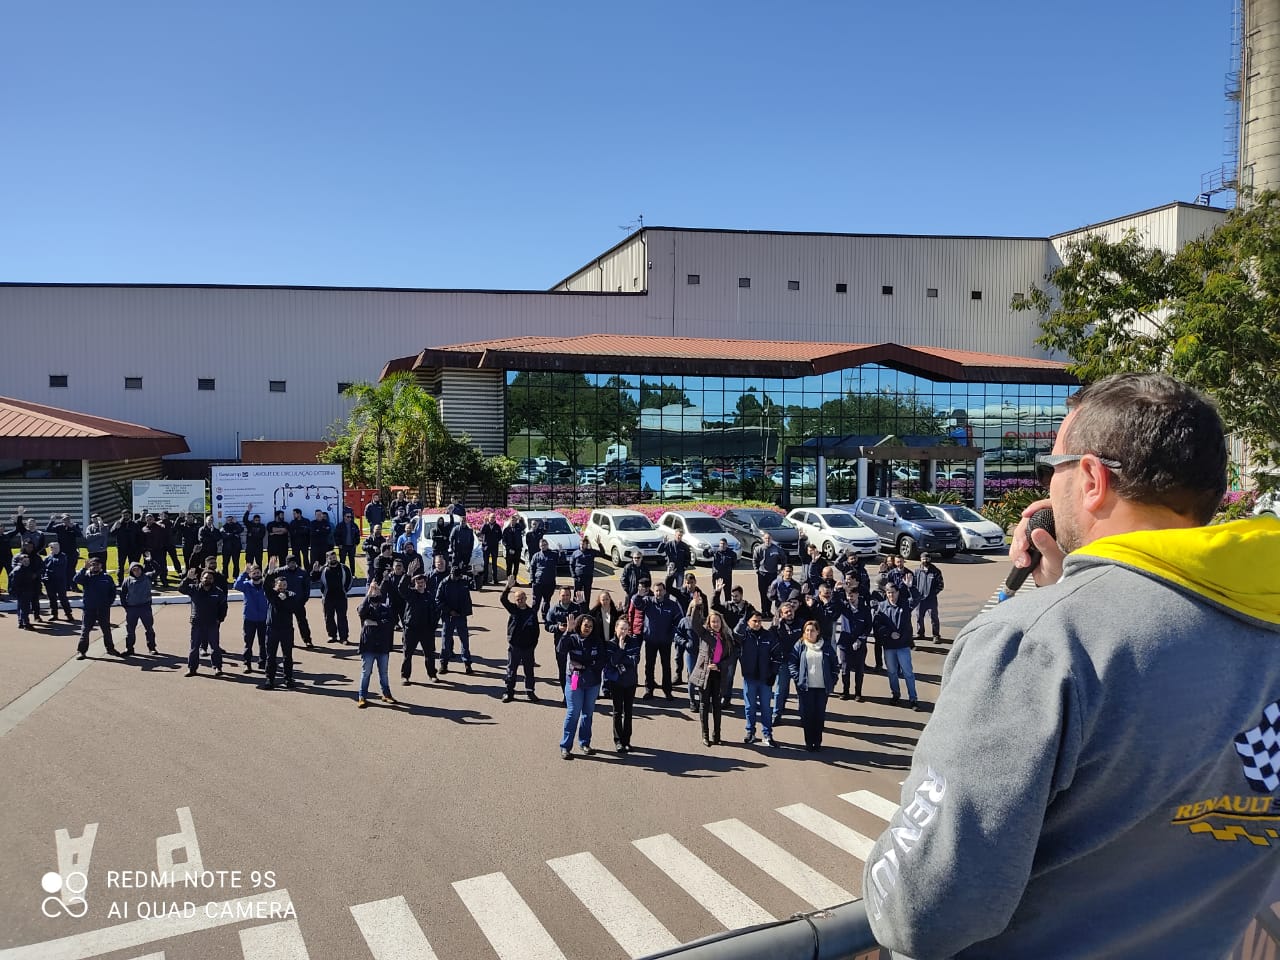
point(744, 282)
point(693, 279)
point(1019, 298)
point(57, 379)
point(931, 293)
point(275, 386)
point(975, 295)
point(886, 291)
point(204, 383)
point(343, 387)
point(133, 383)
point(842, 288)
point(793, 284)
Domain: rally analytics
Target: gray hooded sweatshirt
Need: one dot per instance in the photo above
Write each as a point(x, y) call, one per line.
point(1101, 775)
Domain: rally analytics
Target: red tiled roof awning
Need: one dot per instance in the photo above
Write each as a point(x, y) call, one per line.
point(754, 358)
point(33, 431)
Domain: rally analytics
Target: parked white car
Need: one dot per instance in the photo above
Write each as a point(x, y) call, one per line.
point(617, 533)
point(835, 531)
point(681, 487)
point(702, 532)
point(977, 533)
point(564, 539)
point(422, 529)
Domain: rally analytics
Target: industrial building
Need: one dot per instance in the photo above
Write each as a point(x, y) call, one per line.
point(223, 364)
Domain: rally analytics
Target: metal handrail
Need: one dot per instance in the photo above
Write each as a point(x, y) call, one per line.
point(837, 933)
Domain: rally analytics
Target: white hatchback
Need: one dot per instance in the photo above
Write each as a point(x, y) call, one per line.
point(702, 532)
point(558, 531)
point(617, 533)
point(977, 533)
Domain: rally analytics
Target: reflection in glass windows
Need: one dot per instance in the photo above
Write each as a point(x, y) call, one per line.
point(584, 439)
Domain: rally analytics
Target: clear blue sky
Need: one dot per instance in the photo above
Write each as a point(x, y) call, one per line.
point(502, 144)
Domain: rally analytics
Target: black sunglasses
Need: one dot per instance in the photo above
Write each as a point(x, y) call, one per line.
point(1048, 463)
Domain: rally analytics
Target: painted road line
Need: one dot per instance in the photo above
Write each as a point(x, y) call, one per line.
point(152, 956)
point(23, 706)
point(274, 941)
point(720, 898)
point(794, 874)
point(137, 933)
point(873, 803)
point(628, 921)
point(833, 831)
point(391, 930)
point(506, 920)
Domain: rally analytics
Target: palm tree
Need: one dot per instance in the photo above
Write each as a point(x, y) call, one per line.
point(419, 429)
point(374, 414)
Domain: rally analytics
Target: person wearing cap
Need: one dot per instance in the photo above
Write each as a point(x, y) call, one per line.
point(723, 561)
point(208, 610)
point(135, 597)
point(522, 639)
point(99, 592)
point(453, 600)
point(420, 620)
point(928, 584)
point(249, 583)
point(299, 581)
point(631, 575)
point(346, 537)
point(542, 575)
point(255, 534)
point(335, 582)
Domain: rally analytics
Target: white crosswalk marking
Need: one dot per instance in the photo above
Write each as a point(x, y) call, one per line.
point(152, 956)
point(794, 874)
point(720, 898)
point(628, 921)
point(274, 941)
point(506, 920)
point(873, 803)
point(833, 831)
point(391, 930)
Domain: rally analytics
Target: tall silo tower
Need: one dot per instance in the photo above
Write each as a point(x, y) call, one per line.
point(1260, 96)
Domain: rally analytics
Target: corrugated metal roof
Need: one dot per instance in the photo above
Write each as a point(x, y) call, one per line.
point(33, 431)
point(774, 358)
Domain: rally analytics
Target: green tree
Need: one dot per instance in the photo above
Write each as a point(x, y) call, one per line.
point(1209, 315)
point(662, 395)
point(372, 417)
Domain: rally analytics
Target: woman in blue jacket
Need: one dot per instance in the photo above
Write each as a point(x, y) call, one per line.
point(623, 670)
point(586, 655)
point(813, 667)
point(377, 635)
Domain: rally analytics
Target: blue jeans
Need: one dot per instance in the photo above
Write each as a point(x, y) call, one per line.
point(690, 661)
point(758, 697)
point(369, 660)
point(781, 689)
point(899, 662)
point(579, 704)
point(464, 638)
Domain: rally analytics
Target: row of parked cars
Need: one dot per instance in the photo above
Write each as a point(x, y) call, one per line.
point(867, 527)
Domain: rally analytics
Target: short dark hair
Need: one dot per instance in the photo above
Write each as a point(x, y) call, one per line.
point(1167, 437)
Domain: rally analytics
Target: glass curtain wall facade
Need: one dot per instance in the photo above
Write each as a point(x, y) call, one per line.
point(588, 439)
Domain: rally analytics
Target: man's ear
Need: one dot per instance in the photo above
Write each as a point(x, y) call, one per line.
point(1095, 484)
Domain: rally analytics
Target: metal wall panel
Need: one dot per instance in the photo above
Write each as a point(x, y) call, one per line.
point(472, 402)
point(622, 270)
point(1167, 228)
point(103, 473)
point(42, 498)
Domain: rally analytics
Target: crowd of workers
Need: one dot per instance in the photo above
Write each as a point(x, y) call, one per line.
point(812, 629)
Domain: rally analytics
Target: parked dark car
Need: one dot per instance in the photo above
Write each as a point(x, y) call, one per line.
point(750, 525)
point(907, 527)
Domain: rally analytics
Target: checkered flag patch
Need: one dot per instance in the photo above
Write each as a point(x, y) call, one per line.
point(1259, 749)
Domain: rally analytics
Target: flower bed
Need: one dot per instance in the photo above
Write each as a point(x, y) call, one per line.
point(578, 516)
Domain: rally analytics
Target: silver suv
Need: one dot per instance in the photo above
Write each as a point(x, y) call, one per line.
point(907, 527)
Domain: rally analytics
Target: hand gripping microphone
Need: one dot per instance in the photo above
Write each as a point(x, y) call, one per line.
point(1042, 519)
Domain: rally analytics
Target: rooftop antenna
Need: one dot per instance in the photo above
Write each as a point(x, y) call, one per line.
point(636, 224)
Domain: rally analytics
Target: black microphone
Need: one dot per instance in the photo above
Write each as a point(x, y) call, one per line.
point(1042, 519)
